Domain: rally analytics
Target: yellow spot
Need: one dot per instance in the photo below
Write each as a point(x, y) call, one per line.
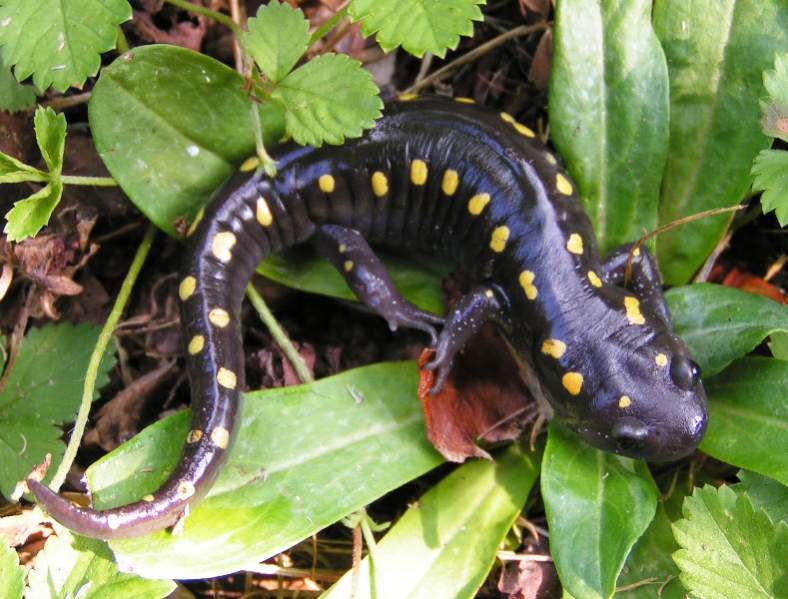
point(489, 293)
point(187, 287)
point(661, 360)
point(342, 248)
point(219, 317)
point(563, 185)
point(194, 436)
point(553, 347)
point(594, 278)
point(550, 158)
point(450, 182)
point(462, 100)
point(380, 185)
point(477, 203)
point(226, 378)
point(348, 265)
point(624, 401)
point(220, 437)
point(523, 130)
point(113, 521)
point(418, 172)
point(196, 345)
point(527, 283)
point(508, 118)
point(249, 164)
point(185, 490)
point(500, 236)
point(326, 183)
point(263, 212)
point(573, 382)
point(632, 306)
point(575, 244)
point(195, 222)
point(636, 252)
point(149, 498)
point(408, 97)
point(222, 246)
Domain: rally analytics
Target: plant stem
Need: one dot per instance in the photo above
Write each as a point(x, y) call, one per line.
point(93, 181)
point(207, 12)
point(98, 353)
point(327, 26)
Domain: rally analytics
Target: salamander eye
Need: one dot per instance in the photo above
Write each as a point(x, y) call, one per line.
point(685, 373)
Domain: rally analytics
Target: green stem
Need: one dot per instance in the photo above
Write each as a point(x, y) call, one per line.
point(327, 26)
point(93, 181)
point(207, 12)
point(268, 163)
point(98, 353)
point(121, 44)
point(279, 335)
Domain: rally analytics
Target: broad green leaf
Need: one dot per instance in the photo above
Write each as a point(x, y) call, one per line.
point(328, 99)
point(277, 38)
point(418, 282)
point(305, 457)
point(416, 25)
point(72, 566)
point(775, 109)
point(51, 137)
point(728, 548)
point(59, 41)
point(717, 51)
point(770, 175)
point(748, 416)
point(779, 345)
point(597, 505)
point(42, 392)
point(30, 215)
point(12, 577)
point(445, 545)
point(721, 323)
point(171, 125)
point(14, 171)
point(765, 493)
point(13, 95)
point(609, 112)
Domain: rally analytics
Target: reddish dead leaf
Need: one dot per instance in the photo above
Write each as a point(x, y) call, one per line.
point(169, 28)
point(529, 575)
point(307, 353)
point(747, 282)
point(539, 72)
point(541, 7)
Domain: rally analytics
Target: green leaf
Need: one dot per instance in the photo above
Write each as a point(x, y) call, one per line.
point(51, 137)
point(779, 345)
point(418, 282)
point(43, 391)
point(728, 548)
point(277, 38)
point(717, 51)
point(416, 25)
point(305, 457)
point(597, 505)
point(770, 175)
point(171, 125)
point(748, 416)
point(765, 493)
point(328, 99)
point(445, 545)
point(59, 42)
point(14, 171)
point(13, 95)
point(721, 323)
point(775, 109)
point(72, 566)
point(12, 577)
point(28, 216)
point(609, 112)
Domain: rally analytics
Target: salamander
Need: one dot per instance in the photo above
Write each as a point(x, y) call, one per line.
point(454, 179)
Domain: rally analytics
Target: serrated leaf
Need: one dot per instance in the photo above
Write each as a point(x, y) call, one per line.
point(14, 171)
point(12, 577)
point(13, 95)
point(71, 566)
point(277, 38)
point(416, 25)
point(51, 137)
point(30, 215)
point(728, 548)
point(770, 175)
point(328, 99)
point(765, 493)
point(775, 109)
point(59, 41)
point(43, 391)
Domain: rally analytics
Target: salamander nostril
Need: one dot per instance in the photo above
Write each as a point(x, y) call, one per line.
point(629, 433)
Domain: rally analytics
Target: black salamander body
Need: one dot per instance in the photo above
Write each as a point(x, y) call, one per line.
point(449, 178)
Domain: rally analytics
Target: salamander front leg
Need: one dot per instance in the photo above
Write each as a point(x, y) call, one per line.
point(366, 275)
point(484, 303)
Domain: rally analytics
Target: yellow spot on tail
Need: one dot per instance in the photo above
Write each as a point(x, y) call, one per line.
point(380, 184)
point(220, 437)
point(262, 212)
point(523, 130)
point(185, 490)
point(572, 382)
point(187, 287)
point(326, 183)
point(661, 360)
point(624, 401)
point(113, 521)
point(249, 164)
point(194, 436)
point(527, 283)
point(550, 158)
point(348, 265)
point(226, 378)
point(575, 244)
point(594, 278)
point(219, 317)
point(149, 498)
point(553, 347)
point(463, 100)
point(508, 118)
point(196, 345)
point(477, 203)
point(563, 185)
point(195, 222)
point(499, 237)
point(408, 97)
point(222, 246)
point(418, 172)
point(632, 306)
point(450, 182)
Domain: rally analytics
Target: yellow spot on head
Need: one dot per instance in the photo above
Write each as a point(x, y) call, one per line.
point(632, 306)
point(222, 246)
point(507, 118)
point(196, 344)
point(348, 265)
point(594, 278)
point(563, 185)
point(380, 184)
point(185, 490)
point(408, 97)
point(149, 498)
point(463, 100)
point(523, 130)
point(499, 237)
point(219, 317)
point(113, 521)
point(450, 182)
point(418, 172)
point(187, 287)
point(550, 158)
point(661, 360)
point(575, 244)
point(624, 401)
point(226, 378)
point(263, 212)
point(249, 164)
point(194, 436)
point(326, 183)
point(527, 283)
point(477, 203)
point(573, 382)
point(220, 437)
point(553, 347)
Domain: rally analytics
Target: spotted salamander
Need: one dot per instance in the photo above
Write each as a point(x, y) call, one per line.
point(453, 179)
